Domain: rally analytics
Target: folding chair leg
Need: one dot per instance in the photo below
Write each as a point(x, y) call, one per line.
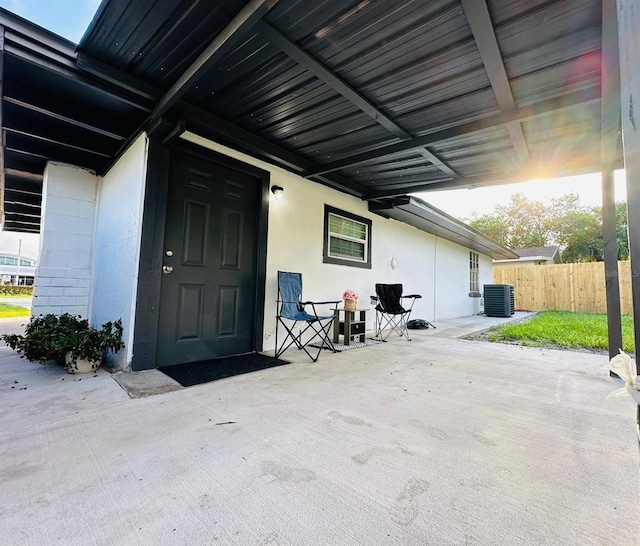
point(319, 331)
point(395, 323)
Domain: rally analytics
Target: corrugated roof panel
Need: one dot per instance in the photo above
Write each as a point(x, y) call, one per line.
point(470, 107)
point(379, 42)
point(403, 182)
point(301, 18)
point(423, 171)
point(565, 51)
point(155, 40)
point(396, 162)
point(543, 85)
point(333, 148)
point(481, 153)
point(560, 142)
point(538, 26)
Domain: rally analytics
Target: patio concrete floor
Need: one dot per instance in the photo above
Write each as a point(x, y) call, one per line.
point(434, 441)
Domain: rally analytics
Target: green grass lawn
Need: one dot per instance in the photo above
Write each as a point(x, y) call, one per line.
point(564, 329)
point(7, 310)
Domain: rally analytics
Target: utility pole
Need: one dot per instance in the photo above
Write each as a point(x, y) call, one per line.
point(19, 258)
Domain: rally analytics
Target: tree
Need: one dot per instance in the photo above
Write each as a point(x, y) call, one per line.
point(576, 229)
point(622, 234)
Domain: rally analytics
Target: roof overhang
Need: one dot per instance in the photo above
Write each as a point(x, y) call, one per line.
point(527, 259)
point(421, 215)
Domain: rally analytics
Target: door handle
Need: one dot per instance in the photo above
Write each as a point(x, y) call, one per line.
point(167, 269)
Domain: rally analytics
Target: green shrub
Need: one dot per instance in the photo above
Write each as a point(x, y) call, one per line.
point(51, 337)
point(12, 290)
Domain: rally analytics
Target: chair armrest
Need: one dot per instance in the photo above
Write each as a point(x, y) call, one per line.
point(319, 302)
point(417, 296)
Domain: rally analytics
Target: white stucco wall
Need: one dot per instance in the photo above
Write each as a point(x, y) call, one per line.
point(63, 276)
point(295, 241)
point(118, 229)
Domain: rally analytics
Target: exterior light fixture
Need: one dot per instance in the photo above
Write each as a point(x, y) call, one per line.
point(278, 192)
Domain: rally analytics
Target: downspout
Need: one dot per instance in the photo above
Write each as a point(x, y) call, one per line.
point(435, 270)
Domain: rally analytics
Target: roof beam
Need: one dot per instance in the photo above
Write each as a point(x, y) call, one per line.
point(481, 25)
point(22, 214)
point(55, 142)
point(315, 67)
point(610, 103)
point(569, 100)
point(24, 175)
point(23, 192)
point(72, 74)
point(469, 182)
point(234, 31)
point(212, 126)
point(64, 119)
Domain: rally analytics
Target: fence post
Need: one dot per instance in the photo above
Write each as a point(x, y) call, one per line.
point(572, 290)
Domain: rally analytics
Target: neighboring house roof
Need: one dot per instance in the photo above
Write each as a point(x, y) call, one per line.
point(550, 254)
point(422, 215)
point(374, 99)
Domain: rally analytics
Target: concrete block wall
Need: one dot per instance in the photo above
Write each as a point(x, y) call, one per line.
point(63, 276)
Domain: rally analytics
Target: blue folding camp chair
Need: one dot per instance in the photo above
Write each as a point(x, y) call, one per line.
point(291, 310)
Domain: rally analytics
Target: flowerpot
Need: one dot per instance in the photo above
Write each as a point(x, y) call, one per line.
point(81, 365)
point(350, 305)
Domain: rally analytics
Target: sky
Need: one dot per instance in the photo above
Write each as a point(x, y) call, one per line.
point(67, 18)
point(463, 203)
point(70, 19)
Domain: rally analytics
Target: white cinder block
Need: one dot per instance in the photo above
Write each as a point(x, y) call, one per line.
point(58, 301)
point(59, 223)
point(51, 273)
point(71, 243)
point(64, 282)
point(70, 208)
point(74, 292)
point(50, 291)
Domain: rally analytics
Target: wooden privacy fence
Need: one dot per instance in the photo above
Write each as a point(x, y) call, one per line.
point(564, 287)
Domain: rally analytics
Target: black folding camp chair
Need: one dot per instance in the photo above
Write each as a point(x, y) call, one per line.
point(291, 311)
point(390, 313)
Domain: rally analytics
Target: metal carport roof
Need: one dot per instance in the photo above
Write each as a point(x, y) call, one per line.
point(374, 98)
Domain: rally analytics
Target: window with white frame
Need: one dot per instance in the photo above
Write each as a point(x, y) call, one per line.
point(474, 268)
point(347, 238)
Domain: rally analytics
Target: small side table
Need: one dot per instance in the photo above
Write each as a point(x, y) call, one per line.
point(350, 326)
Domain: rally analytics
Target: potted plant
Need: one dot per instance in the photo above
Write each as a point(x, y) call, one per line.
point(67, 338)
point(47, 337)
point(350, 298)
point(90, 346)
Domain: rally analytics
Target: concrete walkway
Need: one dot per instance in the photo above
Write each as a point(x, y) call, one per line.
point(434, 441)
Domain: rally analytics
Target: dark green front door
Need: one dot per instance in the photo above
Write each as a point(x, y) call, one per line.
point(208, 292)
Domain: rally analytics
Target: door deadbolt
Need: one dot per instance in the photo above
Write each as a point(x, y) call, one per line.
point(168, 253)
point(166, 269)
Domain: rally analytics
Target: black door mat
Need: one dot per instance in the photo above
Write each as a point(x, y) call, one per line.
point(196, 373)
